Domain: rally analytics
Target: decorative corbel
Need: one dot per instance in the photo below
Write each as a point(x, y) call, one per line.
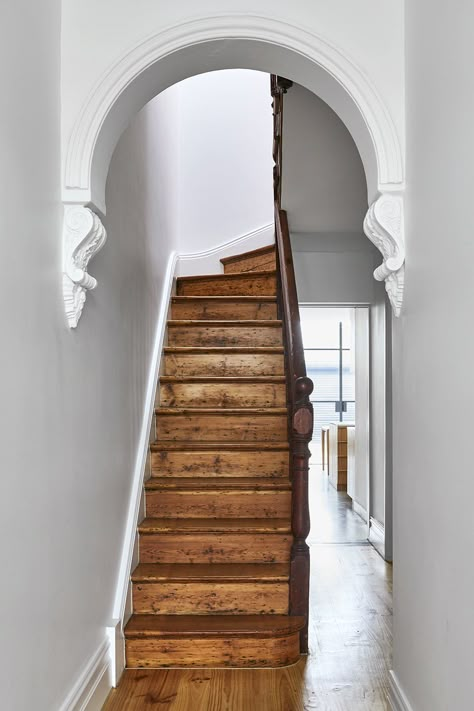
point(383, 225)
point(83, 236)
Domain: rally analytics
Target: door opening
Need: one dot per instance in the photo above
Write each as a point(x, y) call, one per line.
point(336, 344)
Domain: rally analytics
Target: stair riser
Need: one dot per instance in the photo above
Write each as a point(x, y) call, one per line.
point(222, 428)
point(215, 548)
point(222, 395)
point(217, 364)
point(226, 310)
point(218, 504)
point(210, 598)
point(215, 652)
point(263, 263)
point(219, 464)
point(225, 336)
point(264, 285)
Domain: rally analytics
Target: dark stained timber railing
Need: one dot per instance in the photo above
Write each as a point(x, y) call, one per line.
point(299, 386)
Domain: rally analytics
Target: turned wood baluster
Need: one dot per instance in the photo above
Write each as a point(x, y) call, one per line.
point(302, 430)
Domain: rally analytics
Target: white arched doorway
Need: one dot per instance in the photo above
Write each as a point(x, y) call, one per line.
point(223, 43)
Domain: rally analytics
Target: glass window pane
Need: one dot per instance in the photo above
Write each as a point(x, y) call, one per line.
point(323, 369)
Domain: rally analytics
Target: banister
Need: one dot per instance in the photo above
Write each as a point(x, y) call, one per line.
point(299, 386)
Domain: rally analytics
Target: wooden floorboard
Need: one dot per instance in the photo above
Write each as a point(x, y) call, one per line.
point(350, 641)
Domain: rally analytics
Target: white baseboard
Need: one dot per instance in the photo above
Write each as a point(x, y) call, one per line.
point(208, 261)
point(396, 696)
point(93, 685)
point(115, 631)
point(359, 510)
point(377, 536)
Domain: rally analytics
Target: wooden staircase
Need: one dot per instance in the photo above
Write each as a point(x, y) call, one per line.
point(212, 587)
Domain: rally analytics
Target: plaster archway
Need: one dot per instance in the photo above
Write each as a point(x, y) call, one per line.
point(225, 42)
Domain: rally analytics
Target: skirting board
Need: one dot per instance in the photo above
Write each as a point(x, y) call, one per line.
point(208, 261)
point(377, 536)
point(396, 696)
point(93, 685)
point(359, 510)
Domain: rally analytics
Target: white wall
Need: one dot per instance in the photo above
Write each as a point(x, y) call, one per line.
point(71, 401)
point(323, 182)
point(334, 268)
point(225, 157)
point(217, 168)
point(433, 386)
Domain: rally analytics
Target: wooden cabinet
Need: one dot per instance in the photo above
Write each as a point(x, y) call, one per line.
point(338, 454)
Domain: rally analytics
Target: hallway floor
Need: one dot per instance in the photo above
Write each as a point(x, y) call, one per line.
point(350, 635)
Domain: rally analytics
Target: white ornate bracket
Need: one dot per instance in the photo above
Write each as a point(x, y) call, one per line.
point(383, 225)
point(83, 236)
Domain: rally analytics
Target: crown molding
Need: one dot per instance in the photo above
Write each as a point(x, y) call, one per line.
point(383, 225)
point(83, 236)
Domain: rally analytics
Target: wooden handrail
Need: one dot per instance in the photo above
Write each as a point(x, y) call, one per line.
point(299, 386)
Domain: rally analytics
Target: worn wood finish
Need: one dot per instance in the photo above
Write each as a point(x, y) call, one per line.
point(224, 333)
point(224, 573)
point(201, 598)
point(350, 650)
point(217, 484)
point(170, 627)
point(209, 652)
point(299, 388)
point(262, 259)
point(250, 284)
point(232, 652)
point(220, 495)
point(337, 455)
point(176, 392)
point(213, 525)
point(224, 425)
point(215, 547)
point(223, 362)
point(218, 462)
point(254, 308)
point(218, 503)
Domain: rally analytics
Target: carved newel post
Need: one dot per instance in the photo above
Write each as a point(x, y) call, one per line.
point(302, 431)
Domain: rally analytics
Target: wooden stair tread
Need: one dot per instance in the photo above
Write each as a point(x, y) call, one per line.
point(174, 626)
point(223, 411)
point(224, 323)
point(224, 350)
point(224, 277)
point(218, 484)
point(224, 299)
point(214, 525)
point(167, 445)
point(210, 572)
point(170, 445)
point(268, 249)
point(223, 379)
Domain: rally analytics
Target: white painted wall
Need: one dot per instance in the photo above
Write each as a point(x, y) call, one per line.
point(72, 401)
point(434, 351)
point(214, 179)
point(225, 158)
point(323, 181)
point(334, 268)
